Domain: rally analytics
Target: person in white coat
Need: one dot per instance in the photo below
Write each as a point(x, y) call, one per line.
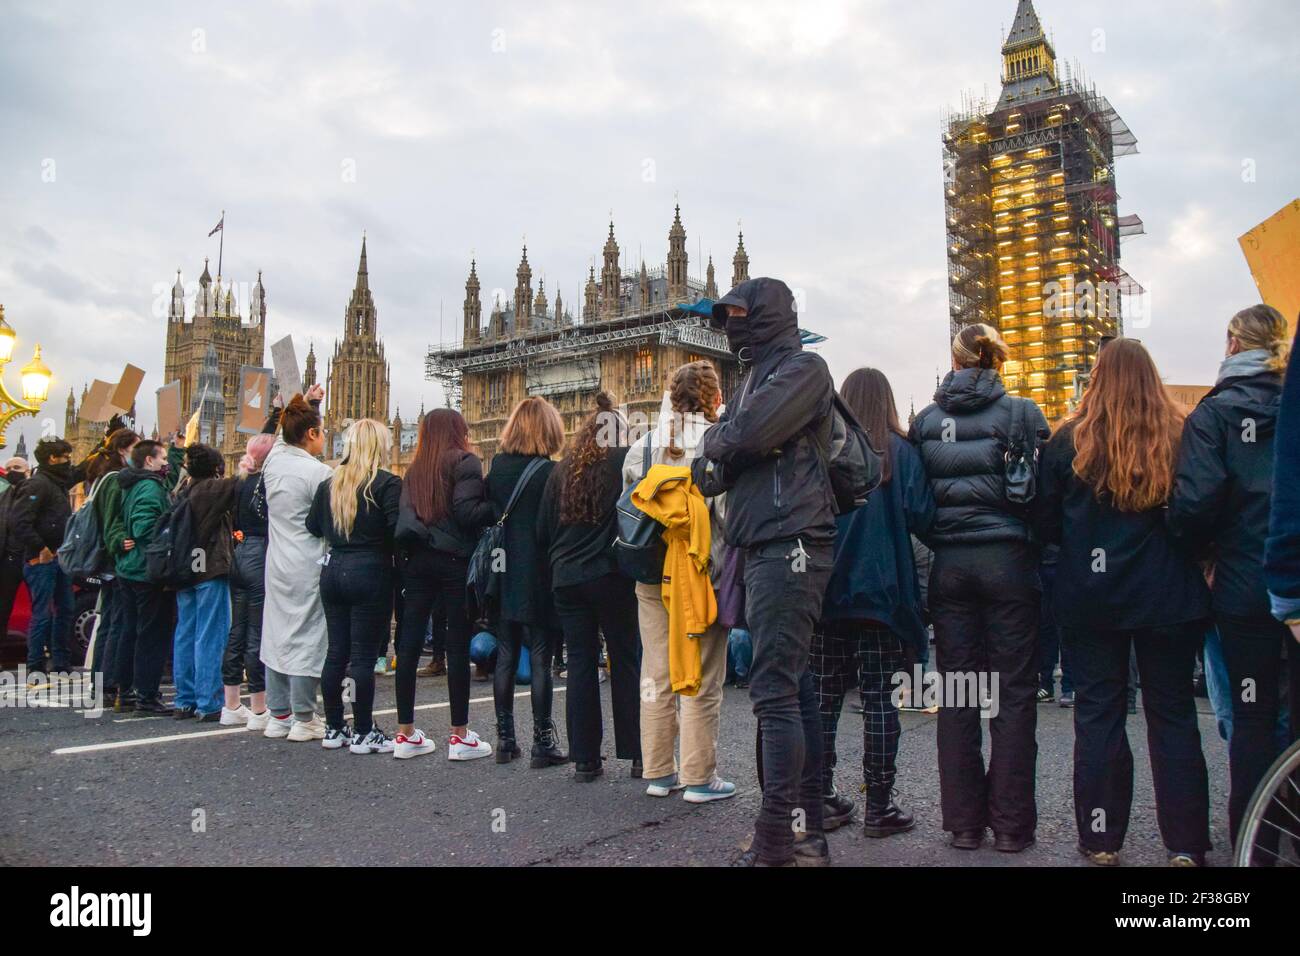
point(671, 721)
point(293, 623)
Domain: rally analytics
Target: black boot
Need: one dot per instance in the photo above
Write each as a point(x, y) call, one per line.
point(837, 809)
point(811, 849)
point(883, 817)
point(546, 746)
point(507, 748)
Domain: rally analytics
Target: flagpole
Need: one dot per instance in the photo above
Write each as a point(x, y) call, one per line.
point(222, 248)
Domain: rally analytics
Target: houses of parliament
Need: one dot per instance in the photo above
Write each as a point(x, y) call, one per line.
point(635, 327)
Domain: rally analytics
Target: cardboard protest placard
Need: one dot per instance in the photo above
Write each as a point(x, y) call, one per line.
point(1272, 251)
point(127, 386)
point(169, 408)
point(285, 361)
point(254, 398)
point(98, 406)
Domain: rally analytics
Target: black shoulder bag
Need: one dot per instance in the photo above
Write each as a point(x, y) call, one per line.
point(638, 547)
point(1021, 478)
point(483, 583)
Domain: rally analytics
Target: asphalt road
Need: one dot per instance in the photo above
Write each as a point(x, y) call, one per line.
point(270, 801)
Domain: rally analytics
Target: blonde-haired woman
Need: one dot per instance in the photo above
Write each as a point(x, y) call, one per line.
point(355, 511)
point(1222, 492)
point(984, 593)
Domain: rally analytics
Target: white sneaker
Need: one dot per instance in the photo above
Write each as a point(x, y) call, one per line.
point(664, 786)
point(235, 718)
point(414, 745)
point(277, 727)
point(717, 789)
point(336, 737)
point(304, 730)
point(375, 742)
point(469, 747)
point(257, 722)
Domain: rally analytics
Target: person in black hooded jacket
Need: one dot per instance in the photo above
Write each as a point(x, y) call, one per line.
point(984, 591)
point(39, 517)
point(1220, 505)
point(766, 452)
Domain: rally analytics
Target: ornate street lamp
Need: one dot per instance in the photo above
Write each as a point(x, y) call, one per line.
point(35, 378)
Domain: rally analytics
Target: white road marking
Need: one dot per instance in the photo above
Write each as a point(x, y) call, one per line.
point(170, 738)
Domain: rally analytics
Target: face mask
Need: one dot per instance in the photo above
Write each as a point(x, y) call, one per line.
point(16, 478)
point(61, 470)
point(738, 333)
point(164, 469)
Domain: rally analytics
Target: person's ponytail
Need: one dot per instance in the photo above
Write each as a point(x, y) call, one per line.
point(298, 418)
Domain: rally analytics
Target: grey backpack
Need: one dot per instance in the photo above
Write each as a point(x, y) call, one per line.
point(82, 553)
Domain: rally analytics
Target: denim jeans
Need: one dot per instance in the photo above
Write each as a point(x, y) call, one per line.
point(1219, 688)
point(740, 653)
point(53, 611)
point(202, 626)
point(784, 586)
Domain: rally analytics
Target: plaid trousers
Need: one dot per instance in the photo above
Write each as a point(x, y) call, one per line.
point(845, 653)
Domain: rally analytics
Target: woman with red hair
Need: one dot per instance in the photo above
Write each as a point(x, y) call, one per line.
point(444, 506)
point(1123, 582)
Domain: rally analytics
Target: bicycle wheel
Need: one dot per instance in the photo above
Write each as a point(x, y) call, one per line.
point(1270, 831)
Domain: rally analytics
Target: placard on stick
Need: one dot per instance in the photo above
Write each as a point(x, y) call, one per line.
point(127, 387)
point(285, 361)
point(97, 406)
point(254, 398)
point(169, 408)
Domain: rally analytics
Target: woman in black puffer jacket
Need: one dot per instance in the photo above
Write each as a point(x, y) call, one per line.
point(984, 591)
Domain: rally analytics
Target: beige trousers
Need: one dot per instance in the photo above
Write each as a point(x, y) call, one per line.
point(664, 715)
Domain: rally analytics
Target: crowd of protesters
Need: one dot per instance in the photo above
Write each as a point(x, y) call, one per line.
point(1115, 544)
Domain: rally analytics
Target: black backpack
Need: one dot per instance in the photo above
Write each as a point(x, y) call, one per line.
point(638, 547)
point(484, 581)
point(852, 463)
point(169, 556)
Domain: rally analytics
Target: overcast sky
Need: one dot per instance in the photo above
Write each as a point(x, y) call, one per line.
point(442, 129)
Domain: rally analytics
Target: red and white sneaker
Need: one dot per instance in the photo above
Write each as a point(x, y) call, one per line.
point(414, 745)
point(469, 747)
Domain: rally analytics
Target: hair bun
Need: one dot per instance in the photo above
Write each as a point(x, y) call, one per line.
point(604, 401)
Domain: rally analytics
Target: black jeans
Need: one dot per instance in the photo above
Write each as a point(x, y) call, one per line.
point(784, 586)
point(511, 637)
point(1252, 648)
point(605, 606)
point(985, 600)
point(433, 584)
point(149, 621)
point(356, 592)
point(1103, 762)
